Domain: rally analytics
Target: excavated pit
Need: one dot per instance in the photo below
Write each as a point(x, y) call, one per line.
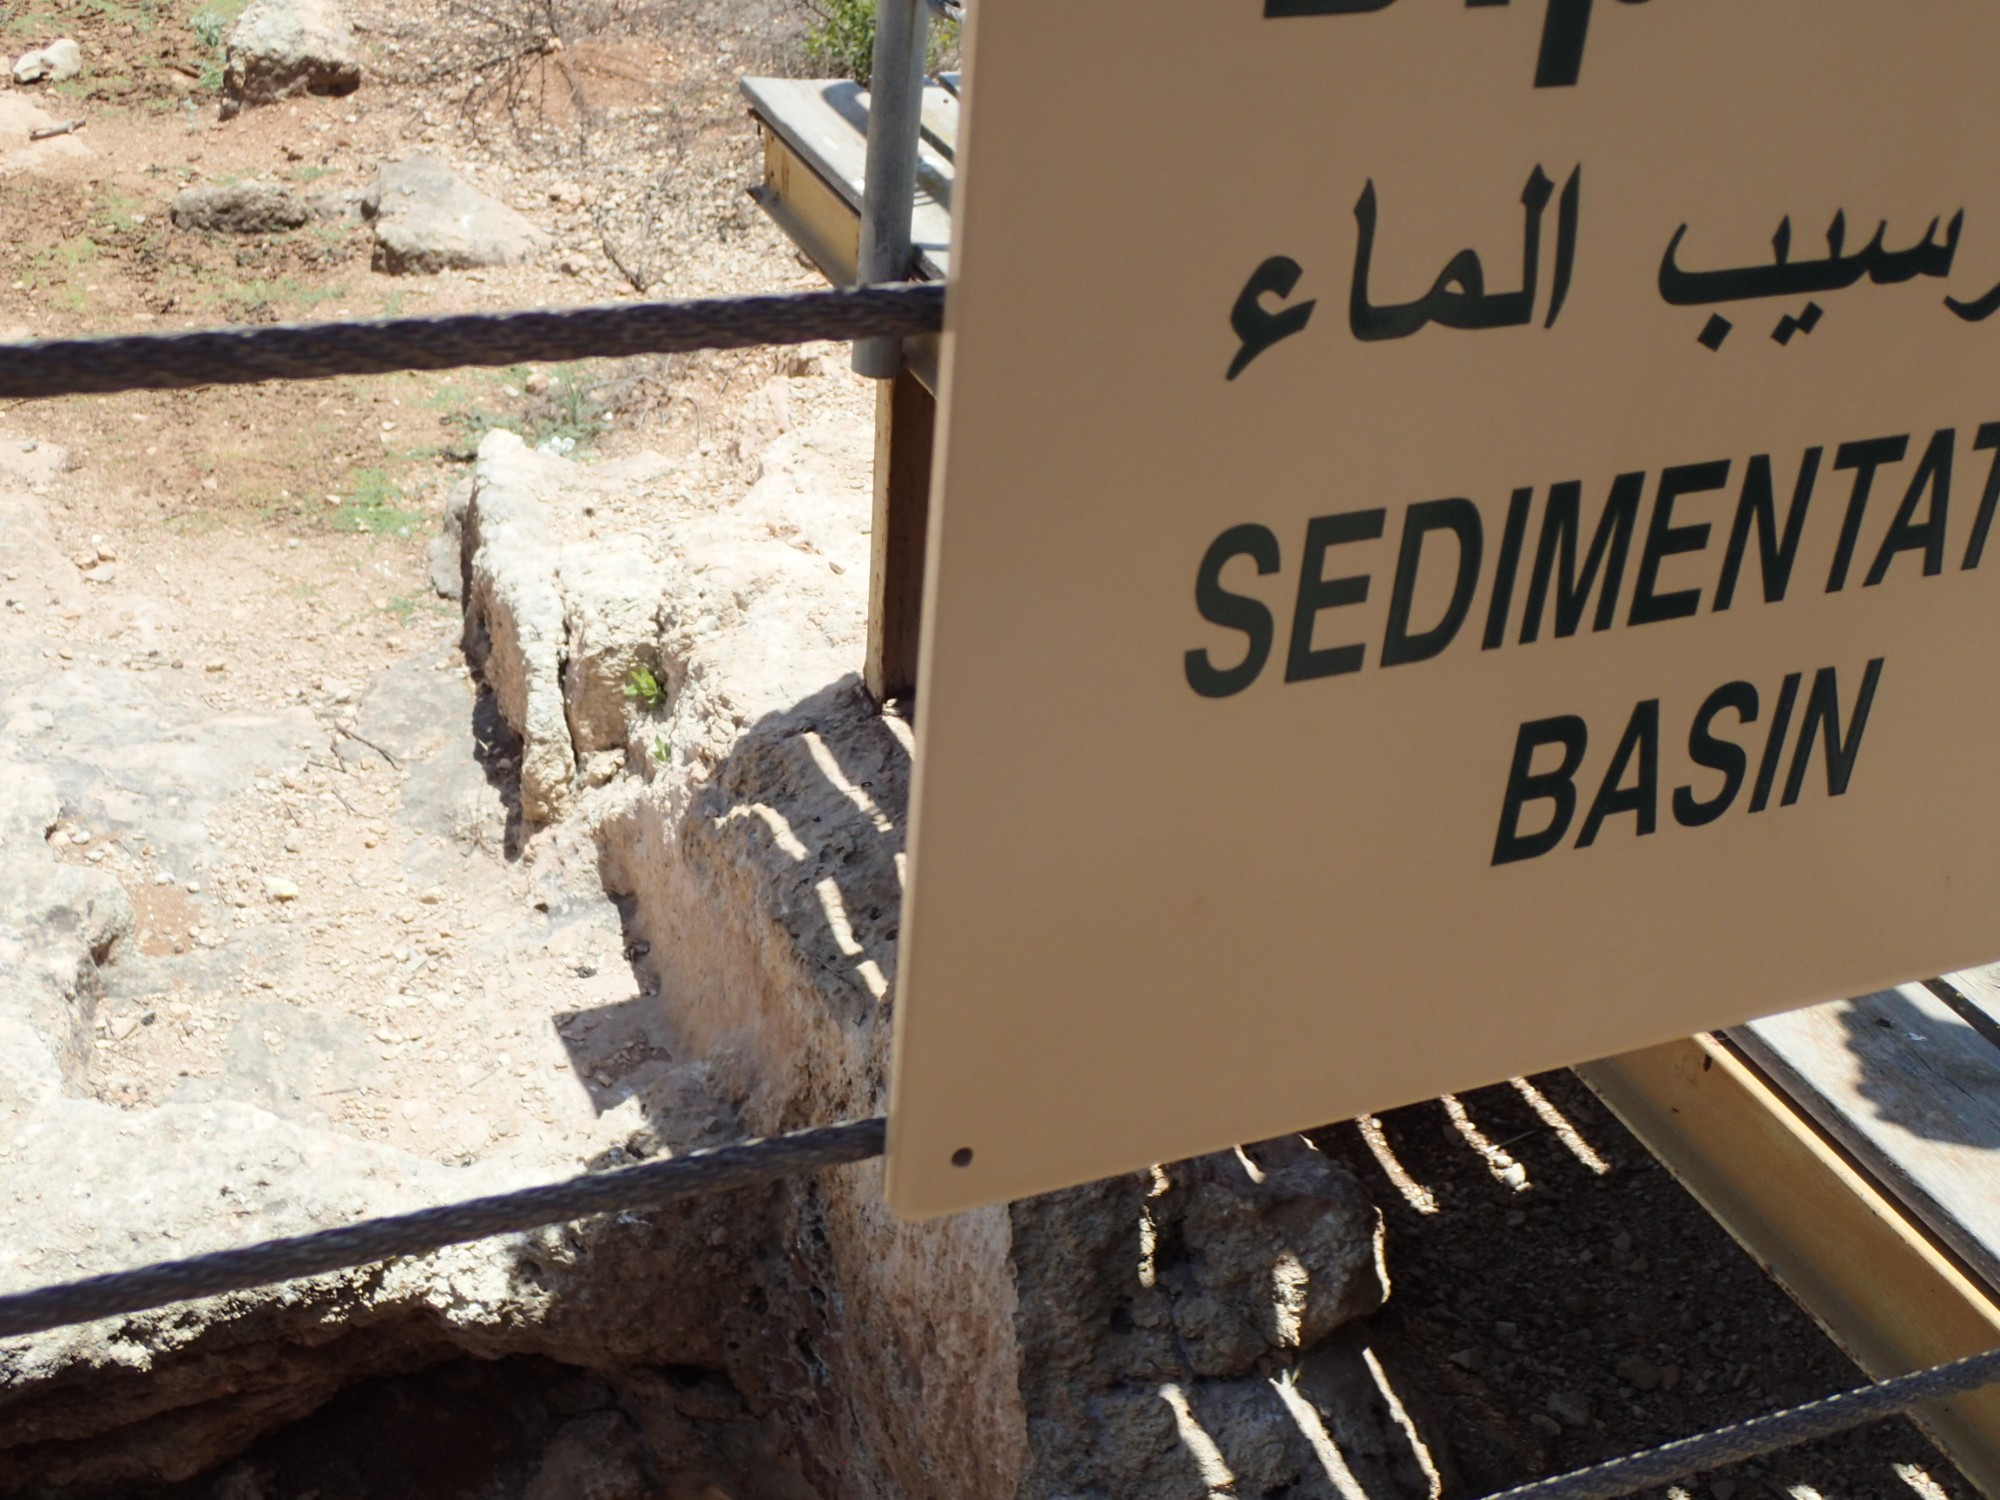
point(679, 909)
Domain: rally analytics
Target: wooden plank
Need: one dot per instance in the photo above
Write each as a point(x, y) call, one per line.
point(1912, 1090)
point(1829, 1235)
point(826, 124)
point(1981, 988)
point(905, 420)
point(823, 224)
point(941, 122)
point(808, 116)
point(812, 215)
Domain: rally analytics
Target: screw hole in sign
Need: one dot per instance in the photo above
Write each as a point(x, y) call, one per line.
point(962, 1157)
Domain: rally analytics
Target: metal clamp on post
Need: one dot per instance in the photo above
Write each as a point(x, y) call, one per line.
point(889, 191)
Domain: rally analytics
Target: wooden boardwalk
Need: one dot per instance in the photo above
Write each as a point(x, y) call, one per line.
point(1908, 1083)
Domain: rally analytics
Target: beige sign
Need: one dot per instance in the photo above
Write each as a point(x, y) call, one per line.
point(1464, 545)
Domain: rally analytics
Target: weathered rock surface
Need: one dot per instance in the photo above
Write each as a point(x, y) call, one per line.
point(19, 119)
point(427, 219)
point(337, 206)
point(1207, 1304)
point(240, 208)
point(282, 48)
point(1100, 1343)
point(1171, 1334)
point(60, 60)
point(102, 761)
point(515, 628)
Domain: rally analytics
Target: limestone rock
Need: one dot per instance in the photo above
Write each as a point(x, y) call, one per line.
point(800, 1342)
point(611, 598)
point(446, 560)
point(514, 624)
point(337, 206)
point(19, 119)
point(29, 806)
point(55, 63)
point(766, 417)
point(161, 1396)
point(124, 1405)
point(1026, 1352)
point(101, 758)
point(239, 208)
point(442, 570)
point(429, 219)
point(282, 48)
point(1213, 1274)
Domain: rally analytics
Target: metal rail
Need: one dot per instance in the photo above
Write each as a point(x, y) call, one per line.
point(315, 351)
point(649, 1185)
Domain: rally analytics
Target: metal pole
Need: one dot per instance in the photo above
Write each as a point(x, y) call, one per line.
point(889, 190)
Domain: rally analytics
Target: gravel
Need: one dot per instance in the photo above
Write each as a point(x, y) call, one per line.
point(1590, 1313)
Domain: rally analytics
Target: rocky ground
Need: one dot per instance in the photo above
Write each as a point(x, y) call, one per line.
point(1559, 1300)
point(246, 575)
point(281, 947)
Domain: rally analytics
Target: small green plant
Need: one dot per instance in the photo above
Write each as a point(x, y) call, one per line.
point(73, 255)
point(576, 417)
point(562, 420)
point(643, 687)
point(373, 505)
point(57, 272)
point(120, 212)
point(33, 23)
point(841, 39)
point(211, 25)
point(264, 297)
point(406, 607)
point(663, 752)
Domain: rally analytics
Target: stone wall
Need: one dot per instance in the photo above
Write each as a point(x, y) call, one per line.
point(1115, 1340)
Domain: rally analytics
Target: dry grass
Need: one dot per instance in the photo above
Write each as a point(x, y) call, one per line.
point(517, 60)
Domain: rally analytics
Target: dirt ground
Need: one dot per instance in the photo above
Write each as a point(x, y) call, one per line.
point(272, 541)
point(1559, 1301)
point(1549, 1309)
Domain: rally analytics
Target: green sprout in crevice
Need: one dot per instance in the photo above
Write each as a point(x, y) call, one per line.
point(644, 687)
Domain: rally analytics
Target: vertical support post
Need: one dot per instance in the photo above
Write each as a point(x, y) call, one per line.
point(905, 419)
point(905, 413)
point(889, 186)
